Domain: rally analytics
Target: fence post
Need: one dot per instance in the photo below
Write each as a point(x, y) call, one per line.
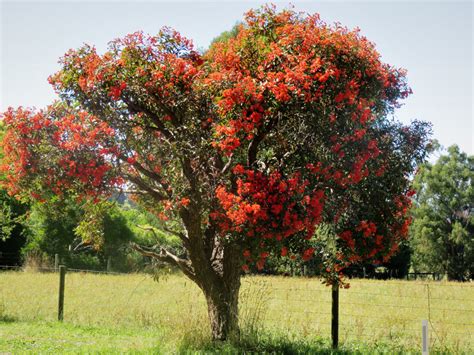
point(56, 261)
point(335, 316)
point(109, 264)
point(62, 279)
point(424, 337)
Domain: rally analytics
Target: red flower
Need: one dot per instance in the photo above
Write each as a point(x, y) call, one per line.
point(308, 254)
point(339, 97)
point(359, 133)
point(116, 91)
point(238, 169)
point(276, 209)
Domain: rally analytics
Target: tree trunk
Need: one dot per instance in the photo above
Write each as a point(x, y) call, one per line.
point(223, 309)
point(221, 286)
point(214, 264)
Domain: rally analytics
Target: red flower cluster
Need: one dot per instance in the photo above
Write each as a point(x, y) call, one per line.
point(75, 151)
point(269, 207)
point(116, 91)
point(368, 229)
point(300, 66)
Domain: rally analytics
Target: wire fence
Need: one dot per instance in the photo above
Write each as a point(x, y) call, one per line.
point(369, 311)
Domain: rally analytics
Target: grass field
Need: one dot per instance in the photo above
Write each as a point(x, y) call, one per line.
point(117, 313)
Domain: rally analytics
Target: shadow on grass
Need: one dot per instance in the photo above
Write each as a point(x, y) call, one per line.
point(4, 318)
point(262, 344)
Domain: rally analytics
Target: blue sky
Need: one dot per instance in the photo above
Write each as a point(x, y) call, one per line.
point(432, 40)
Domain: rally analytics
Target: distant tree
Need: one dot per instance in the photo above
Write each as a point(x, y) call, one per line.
point(245, 150)
point(82, 234)
point(442, 234)
point(12, 231)
point(227, 35)
point(51, 228)
point(399, 264)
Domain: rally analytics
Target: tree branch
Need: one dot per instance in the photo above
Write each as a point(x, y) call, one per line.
point(167, 257)
point(227, 166)
point(180, 235)
point(134, 107)
point(188, 172)
point(151, 174)
point(174, 117)
point(257, 139)
point(158, 196)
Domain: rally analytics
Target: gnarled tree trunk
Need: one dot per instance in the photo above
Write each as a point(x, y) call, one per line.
point(221, 289)
point(223, 308)
point(215, 266)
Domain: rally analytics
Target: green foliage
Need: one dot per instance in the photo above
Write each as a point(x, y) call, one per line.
point(146, 227)
point(442, 234)
point(12, 213)
point(86, 234)
point(51, 227)
point(226, 35)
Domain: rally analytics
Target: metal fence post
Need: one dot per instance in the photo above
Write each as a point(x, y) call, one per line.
point(62, 279)
point(424, 335)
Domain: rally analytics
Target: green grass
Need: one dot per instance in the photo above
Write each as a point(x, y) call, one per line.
point(118, 313)
point(52, 337)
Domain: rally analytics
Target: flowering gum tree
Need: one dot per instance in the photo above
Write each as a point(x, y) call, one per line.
point(250, 146)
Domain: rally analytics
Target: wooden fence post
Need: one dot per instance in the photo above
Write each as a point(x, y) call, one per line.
point(56, 261)
point(62, 279)
point(109, 264)
point(335, 316)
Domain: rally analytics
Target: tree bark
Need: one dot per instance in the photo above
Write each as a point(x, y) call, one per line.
point(221, 288)
point(223, 309)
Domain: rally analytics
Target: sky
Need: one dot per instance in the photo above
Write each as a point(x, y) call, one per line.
point(433, 40)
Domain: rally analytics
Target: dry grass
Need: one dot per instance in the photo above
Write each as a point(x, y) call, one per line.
point(371, 311)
